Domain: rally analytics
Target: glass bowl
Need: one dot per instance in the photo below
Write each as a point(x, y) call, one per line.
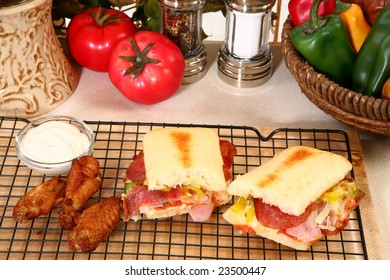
point(48, 145)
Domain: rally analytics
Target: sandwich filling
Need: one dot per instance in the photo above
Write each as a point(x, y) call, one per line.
point(140, 200)
point(328, 215)
point(156, 203)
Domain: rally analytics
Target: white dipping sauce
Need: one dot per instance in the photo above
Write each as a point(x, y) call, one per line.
point(54, 141)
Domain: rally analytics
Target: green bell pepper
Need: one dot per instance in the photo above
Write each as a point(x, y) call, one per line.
point(373, 60)
point(324, 43)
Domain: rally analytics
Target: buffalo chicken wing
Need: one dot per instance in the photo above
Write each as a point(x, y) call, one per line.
point(39, 201)
point(94, 225)
point(83, 181)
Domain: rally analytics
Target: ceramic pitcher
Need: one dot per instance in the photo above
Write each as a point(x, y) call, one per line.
point(35, 73)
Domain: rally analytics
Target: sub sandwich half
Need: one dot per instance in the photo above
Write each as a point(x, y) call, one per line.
point(179, 171)
point(296, 198)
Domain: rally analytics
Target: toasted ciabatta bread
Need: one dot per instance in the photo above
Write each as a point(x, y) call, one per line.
point(257, 228)
point(296, 198)
point(293, 179)
point(183, 156)
point(180, 170)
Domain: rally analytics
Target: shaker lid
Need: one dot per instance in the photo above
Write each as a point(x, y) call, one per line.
point(250, 6)
point(182, 4)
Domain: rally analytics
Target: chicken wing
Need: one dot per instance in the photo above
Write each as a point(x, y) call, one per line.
point(83, 181)
point(94, 225)
point(39, 201)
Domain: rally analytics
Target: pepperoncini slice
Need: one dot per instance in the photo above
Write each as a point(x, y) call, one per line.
point(239, 206)
point(250, 214)
point(344, 189)
point(195, 189)
point(244, 207)
point(129, 186)
point(190, 190)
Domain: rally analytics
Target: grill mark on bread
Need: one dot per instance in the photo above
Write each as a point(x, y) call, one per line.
point(182, 141)
point(298, 156)
point(268, 179)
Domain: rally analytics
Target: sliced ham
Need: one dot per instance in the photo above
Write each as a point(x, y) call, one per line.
point(201, 213)
point(307, 231)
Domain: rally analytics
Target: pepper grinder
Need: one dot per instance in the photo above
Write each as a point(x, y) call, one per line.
point(181, 22)
point(245, 58)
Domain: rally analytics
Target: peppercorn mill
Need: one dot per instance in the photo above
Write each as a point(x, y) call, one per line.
point(181, 21)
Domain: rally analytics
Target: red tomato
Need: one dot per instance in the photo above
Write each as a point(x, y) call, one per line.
point(92, 34)
point(147, 68)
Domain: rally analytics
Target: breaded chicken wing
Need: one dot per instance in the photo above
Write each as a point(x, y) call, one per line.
point(94, 225)
point(84, 179)
point(39, 201)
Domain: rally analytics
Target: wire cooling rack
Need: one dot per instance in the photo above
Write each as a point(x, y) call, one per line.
point(174, 238)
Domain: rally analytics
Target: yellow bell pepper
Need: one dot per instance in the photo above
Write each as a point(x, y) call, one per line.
point(354, 22)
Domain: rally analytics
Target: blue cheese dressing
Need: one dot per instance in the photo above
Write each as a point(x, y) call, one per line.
point(53, 142)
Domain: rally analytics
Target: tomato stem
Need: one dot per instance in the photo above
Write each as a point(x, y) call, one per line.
point(140, 59)
point(102, 18)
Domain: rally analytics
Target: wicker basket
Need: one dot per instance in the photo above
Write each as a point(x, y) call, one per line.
point(361, 112)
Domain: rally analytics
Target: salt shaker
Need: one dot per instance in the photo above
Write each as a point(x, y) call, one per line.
point(181, 21)
point(245, 58)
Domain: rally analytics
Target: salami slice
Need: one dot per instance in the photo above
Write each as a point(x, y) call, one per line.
point(140, 196)
point(136, 170)
point(228, 152)
point(271, 216)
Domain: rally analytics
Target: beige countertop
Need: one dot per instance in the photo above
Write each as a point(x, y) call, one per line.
point(278, 103)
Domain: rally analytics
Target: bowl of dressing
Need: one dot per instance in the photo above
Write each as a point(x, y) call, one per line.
point(48, 145)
